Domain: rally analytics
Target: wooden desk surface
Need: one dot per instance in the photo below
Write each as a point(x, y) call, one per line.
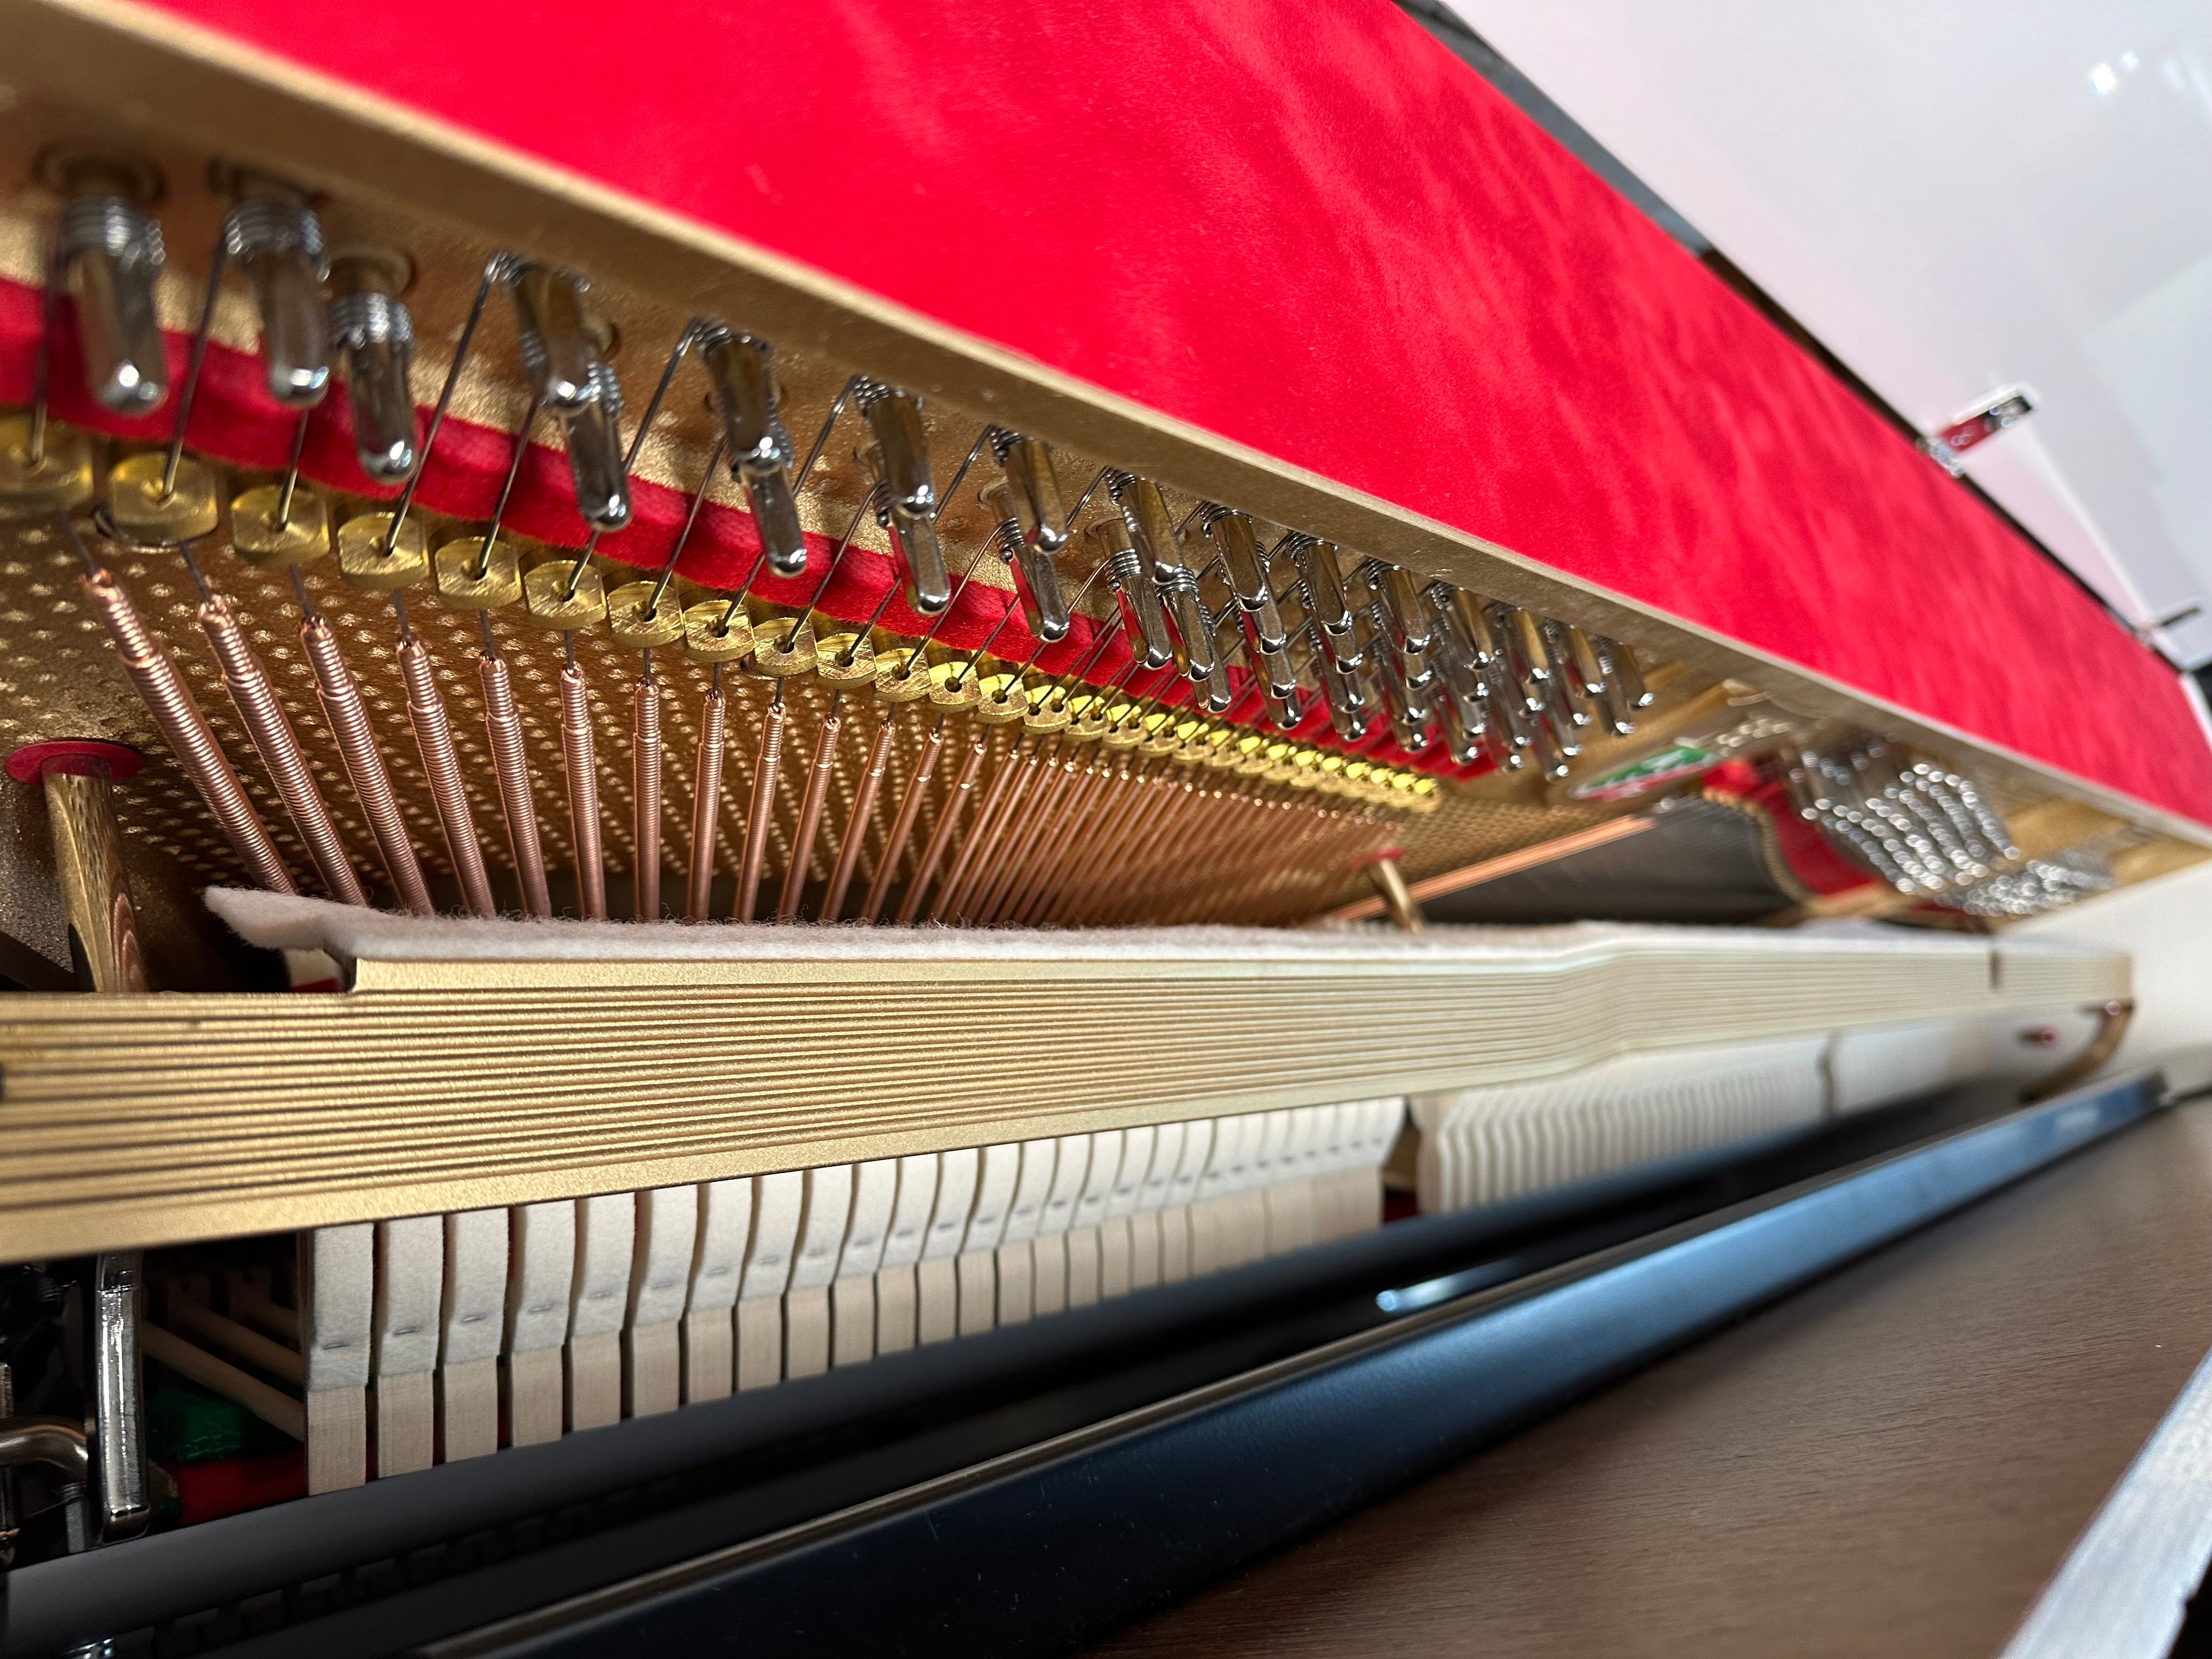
point(1894, 1461)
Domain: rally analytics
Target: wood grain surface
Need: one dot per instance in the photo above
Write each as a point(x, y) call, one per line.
point(1894, 1461)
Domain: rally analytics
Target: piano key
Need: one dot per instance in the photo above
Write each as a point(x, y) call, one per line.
point(718, 1265)
point(411, 1275)
point(853, 1292)
point(778, 1203)
point(667, 1223)
point(1017, 1245)
point(599, 1300)
point(829, 1208)
point(895, 1311)
point(471, 1334)
point(541, 1275)
point(337, 1299)
point(937, 1284)
point(977, 1262)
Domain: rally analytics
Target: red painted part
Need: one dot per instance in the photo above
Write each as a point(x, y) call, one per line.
point(1816, 864)
point(83, 756)
point(1311, 230)
point(231, 1485)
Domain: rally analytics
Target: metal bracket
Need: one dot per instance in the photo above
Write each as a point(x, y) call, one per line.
point(1984, 421)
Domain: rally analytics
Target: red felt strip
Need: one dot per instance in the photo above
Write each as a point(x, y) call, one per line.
point(1312, 230)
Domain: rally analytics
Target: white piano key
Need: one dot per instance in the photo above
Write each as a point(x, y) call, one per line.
point(977, 1265)
point(1152, 1199)
point(599, 1300)
point(1182, 1200)
point(470, 1330)
point(1090, 1210)
point(1017, 1255)
point(937, 1285)
point(895, 1279)
point(829, 1208)
point(718, 1266)
point(659, 1285)
point(411, 1282)
point(541, 1270)
point(1048, 1250)
point(337, 1312)
point(1114, 1245)
point(853, 1292)
point(778, 1201)
point(1290, 1195)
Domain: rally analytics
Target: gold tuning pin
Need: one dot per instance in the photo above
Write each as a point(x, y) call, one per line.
point(759, 445)
point(375, 338)
point(109, 248)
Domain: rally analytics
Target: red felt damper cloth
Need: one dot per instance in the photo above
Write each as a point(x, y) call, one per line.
point(1310, 229)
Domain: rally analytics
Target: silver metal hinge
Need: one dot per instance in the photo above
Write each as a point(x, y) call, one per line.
point(1977, 425)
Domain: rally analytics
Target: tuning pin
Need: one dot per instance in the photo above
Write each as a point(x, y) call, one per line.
point(1410, 707)
point(598, 462)
point(1463, 622)
point(1410, 621)
point(1569, 692)
point(375, 337)
point(568, 372)
point(1036, 579)
point(759, 447)
point(1528, 660)
point(900, 456)
point(1285, 707)
point(1621, 669)
point(1140, 595)
point(1466, 726)
point(560, 347)
point(1150, 526)
point(1193, 627)
point(1221, 691)
point(111, 247)
point(1350, 705)
point(275, 240)
point(1329, 603)
point(1246, 568)
point(1034, 490)
point(1509, 717)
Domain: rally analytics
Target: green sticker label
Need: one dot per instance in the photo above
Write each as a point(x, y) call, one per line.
point(1677, 759)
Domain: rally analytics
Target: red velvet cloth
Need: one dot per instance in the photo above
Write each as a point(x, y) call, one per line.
point(1312, 230)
